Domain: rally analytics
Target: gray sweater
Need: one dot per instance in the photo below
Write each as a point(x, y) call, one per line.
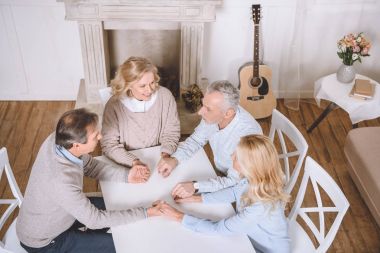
point(54, 197)
point(124, 130)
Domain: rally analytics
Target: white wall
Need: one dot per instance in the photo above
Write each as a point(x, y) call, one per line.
point(40, 52)
point(41, 58)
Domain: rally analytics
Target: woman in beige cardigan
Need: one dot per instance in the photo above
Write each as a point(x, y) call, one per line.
point(140, 114)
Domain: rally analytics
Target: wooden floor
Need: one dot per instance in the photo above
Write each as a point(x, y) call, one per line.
point(25, 125)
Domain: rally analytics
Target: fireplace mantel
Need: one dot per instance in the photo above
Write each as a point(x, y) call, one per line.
point(127, 10)
point(95, 17)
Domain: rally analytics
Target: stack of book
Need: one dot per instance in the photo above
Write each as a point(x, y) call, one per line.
point(362, 89)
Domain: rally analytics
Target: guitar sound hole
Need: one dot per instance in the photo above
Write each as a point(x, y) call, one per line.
point(261, 84)
point(255, 82)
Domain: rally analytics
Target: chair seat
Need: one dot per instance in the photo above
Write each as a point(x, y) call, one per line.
point(300, 241)
point(12, 244)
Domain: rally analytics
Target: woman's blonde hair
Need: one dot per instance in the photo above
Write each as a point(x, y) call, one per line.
point(259, 163)
point(131, 71)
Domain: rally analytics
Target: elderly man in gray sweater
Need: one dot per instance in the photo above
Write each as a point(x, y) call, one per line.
point(55, 206)
point(223, 123)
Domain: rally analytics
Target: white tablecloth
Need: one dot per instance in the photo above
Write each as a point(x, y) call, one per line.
point(329, 88)
point(161, 235)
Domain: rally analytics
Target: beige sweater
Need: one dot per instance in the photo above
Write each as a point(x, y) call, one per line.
point(54, 198)
point(124, 130)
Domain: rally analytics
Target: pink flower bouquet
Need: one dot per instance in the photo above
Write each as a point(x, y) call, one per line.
point(352, 47)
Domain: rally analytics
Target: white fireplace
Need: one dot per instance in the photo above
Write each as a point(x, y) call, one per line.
point(96, 18)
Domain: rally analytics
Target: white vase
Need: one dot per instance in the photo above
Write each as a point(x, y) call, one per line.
point(346, 73)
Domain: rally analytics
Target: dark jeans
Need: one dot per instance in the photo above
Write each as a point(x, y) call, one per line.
point(74, 240)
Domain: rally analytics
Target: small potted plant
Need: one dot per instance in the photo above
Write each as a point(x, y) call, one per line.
point(350, 49)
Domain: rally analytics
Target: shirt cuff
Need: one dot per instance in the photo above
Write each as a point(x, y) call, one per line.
point(130, 158)
point(167, 149)
point(190, 222)
point(126, 175)
point(205, 198)
point(145, 212)
point(204, 186)
point(178, 157)
point(126, 158)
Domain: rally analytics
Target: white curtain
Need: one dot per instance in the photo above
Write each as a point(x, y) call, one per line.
point(290, 69)
point(300, 41)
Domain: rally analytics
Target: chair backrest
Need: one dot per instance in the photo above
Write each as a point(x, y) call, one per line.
point(105, 94)
point(13, 203)
point(282, 125)
point(318, 178)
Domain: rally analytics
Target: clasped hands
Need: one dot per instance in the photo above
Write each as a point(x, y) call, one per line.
point(166, 164)
point(140, 173)
point(181, 193)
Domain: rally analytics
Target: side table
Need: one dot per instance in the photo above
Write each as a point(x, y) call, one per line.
point(329, 88)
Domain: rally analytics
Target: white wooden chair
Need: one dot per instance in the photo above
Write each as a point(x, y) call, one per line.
point(282, 125)
point(10, 242)
point(319, 178)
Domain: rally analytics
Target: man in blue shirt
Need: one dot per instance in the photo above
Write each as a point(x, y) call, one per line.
point(223, 123)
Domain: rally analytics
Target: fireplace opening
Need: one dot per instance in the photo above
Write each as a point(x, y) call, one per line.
point(162, 47)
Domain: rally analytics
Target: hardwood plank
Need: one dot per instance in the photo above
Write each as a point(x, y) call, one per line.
point(8, 122)
point(315, 138)
point(3, 110)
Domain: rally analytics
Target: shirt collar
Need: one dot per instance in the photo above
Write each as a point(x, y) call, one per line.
point(62, 152)
point(135, 105)
point(233, 122)
point(243, 181)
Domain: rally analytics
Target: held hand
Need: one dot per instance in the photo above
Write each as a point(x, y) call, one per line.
point(139, 173)
point(183, 190)
point(166, 165)
point(171, 212)
point(191, 199)
point(155, 210)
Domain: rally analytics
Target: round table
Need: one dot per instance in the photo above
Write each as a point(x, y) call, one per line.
point(329, 88)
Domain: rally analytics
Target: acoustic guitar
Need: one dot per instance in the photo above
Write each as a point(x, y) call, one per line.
point(256, 94)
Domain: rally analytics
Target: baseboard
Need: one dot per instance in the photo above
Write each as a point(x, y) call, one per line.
point(294, 94)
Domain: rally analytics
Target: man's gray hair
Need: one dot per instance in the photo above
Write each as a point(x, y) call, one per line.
point(229, 91)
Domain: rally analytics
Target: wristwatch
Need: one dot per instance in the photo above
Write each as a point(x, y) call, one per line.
point(196, 186)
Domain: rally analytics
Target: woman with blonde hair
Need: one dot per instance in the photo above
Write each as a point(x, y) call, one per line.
point(140, 114)
point(259, 196)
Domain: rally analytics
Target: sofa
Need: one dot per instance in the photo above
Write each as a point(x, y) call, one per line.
point(362, 150)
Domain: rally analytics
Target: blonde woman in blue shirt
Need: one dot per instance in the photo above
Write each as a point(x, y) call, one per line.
point(259, 196)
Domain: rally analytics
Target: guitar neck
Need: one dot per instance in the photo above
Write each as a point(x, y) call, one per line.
point(256, 51)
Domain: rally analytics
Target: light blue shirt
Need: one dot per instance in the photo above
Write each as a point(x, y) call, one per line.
point(61, 151)
point(266, 227)
point(223, 143)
